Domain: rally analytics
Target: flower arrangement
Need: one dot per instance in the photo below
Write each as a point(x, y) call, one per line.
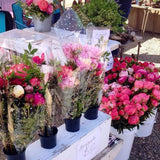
point(86, 60)
point(131, 93)
point(39, 8)
point(21, 103)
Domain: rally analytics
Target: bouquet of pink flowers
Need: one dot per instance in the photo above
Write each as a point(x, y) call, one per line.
point(39, 8)
point(21, 103)
point(131, 93)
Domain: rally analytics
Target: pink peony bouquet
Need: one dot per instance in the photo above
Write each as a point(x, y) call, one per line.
point(88, 59)
point(131, 92)
point(39, 8)
point(22, 103)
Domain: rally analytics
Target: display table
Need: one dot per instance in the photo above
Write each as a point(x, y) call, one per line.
point(82, 145)
point(145, 18)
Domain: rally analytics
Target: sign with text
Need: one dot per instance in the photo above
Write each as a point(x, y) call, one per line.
point(88, 147)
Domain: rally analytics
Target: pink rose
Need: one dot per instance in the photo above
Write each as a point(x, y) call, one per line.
point(129, 109)
point(133, 120)
point(123, 65)
point(114, 75)
point(35, 82)
point(124, 97)
point(28, 2)
point(39, 99)
point(29, 98)
point(43, 5)
point(142, 71)
point(141, 113)
point(50, 9)
point(126, 91)
point(114, 113)
point(121, 112)
point(35, 2)
point(122, 80)
point(37, 59)
point(156, 94)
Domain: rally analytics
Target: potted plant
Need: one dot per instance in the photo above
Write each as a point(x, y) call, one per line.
point(22, 105)
point(101, 13)
point(41, 11)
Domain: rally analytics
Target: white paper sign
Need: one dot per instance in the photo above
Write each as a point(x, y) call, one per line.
point(110, 60)
point(88, 148)
point(101, 37)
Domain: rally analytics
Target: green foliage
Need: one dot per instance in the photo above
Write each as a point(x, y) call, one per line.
point(103, 13)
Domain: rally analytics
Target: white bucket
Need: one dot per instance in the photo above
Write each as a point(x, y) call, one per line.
point(128, 137)
point(146, 129)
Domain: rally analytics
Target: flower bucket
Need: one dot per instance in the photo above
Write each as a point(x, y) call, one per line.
point(72, 125)
point(91, 113)
point(42, 26)
point(128, 137)
point(50, 141)
point(19, 156)
point(146, 129)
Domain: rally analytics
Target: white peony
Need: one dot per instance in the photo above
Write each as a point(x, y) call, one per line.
point(18, 91)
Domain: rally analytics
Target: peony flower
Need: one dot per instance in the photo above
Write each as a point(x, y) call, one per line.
point(131, 79)
point(148, 85)
point(156, 94)
point(18, 91)
point(43, 5)
point(37, 59)
point(130, 110)
point(137, 75)
point(29, 2)
point(150, 77)
point(130, 70)
point(133, 120)
point(29, 89)
point(154, 102)
point(29, 98)
point(39, 100)
point(16, 81)
point(138, 84)
point(123, 74)
point(122, 80)
point(35, 82)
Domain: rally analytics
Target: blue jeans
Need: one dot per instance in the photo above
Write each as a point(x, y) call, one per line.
point(55, 17)
point(125, 6)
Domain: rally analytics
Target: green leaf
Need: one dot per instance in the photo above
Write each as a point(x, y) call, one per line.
point(29, 46)
point(33, 51)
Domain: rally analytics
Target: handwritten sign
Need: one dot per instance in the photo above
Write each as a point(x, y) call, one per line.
point(88, 147)
point(100, 38)
point(110, 60)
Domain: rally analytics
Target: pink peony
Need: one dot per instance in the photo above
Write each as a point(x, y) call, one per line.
point(148, 85)
point(142, 71)
point(133, 120)
point(38, 99)
point(29, 89)
point(50, 9)
point(130, 110)
point(114, 114)
point(122, 80)
point(150, 77)
point(38, 60)
point(144, 107)
point(43, 5)
point(156, 94)
point(138, 75)
point(121, 112)
point(131, 79)
point(123, 74)
point(138, 84)
point(28, 2)
point(154, 102)
point(29, 98)
point(124, 97)
point(35, 2)
point(35, 82)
